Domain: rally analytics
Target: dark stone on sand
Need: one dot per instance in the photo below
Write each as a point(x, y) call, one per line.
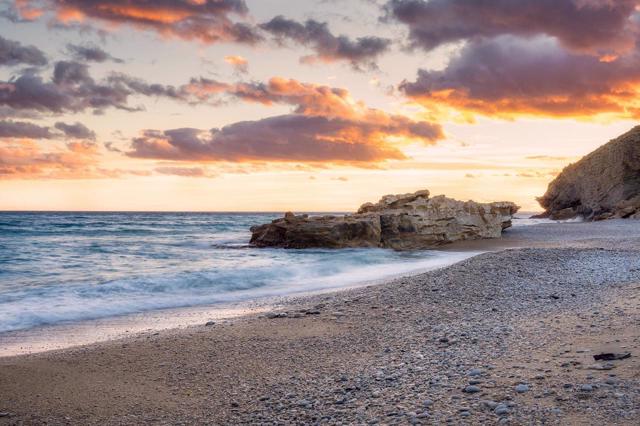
point(611, 356)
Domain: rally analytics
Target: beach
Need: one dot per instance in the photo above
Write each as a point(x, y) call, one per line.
point(507, 336)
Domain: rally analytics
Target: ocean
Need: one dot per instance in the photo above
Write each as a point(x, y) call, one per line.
point(60, 268)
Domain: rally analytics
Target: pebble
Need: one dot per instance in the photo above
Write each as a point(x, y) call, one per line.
point(586, 388)
point(272, 315)
point(501, 410)
point(304, 403)
point(474, 372)
point(522, 388)
point(471, 389)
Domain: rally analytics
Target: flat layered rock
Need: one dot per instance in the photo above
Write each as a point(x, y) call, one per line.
point(605, 184)
point(406, 221)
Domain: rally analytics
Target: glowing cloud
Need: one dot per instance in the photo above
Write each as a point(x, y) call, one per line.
point(208, 21)
point(327, 125)
point(239, 64)
point(509, 76)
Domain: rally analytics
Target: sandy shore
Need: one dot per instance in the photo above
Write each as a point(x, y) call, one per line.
point(504, 337)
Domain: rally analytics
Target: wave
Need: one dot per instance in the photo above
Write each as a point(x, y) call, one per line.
point(257, 274)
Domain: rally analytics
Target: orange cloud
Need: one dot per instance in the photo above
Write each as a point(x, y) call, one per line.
point(27, 11)
point(239, 64)
point(326, 125)
point(508, 77)
point(26, 159)
point(208, 21)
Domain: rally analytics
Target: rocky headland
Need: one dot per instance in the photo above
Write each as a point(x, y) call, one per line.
point(401, 222)
point(605, 184)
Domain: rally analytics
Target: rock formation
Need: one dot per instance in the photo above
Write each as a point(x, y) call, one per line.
point(408, 221)
point(604, 184)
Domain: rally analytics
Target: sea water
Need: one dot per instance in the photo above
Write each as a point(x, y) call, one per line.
point(66, 267)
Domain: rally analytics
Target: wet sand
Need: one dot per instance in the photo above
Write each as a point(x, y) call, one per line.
point(504, 337)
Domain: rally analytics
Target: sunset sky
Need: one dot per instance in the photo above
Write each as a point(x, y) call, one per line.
point(306, 105)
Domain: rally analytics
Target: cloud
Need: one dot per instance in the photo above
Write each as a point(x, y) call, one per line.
point(537, 174)
point(18, 129)
point(207, 21)
point(90, 53)
point(281, 138)
point(23, 130)
point(69, 73)
point(548, 158)
point(183, 171)
point(76, 131)
point(73, 89)
point(27, 159)
point(319, 100)
point(601, 26)
point(110, 146)
point(24, 159)
point(509, 76)
point(14, 53)
point(70, 90)
point(239, 64)
point(326, 124)
point(360, 53)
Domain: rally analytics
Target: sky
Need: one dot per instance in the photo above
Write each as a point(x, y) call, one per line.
point(306, 105)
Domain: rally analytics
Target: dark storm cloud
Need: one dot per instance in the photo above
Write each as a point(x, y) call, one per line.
point(76, 130)
point(361, 52)
point(90, 54)
point(14, 53)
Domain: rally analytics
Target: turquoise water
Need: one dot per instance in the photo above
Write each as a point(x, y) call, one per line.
point(64, 267)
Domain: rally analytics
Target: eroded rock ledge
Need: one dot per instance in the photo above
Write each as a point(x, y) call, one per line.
point(407, 221)
point(604, 184)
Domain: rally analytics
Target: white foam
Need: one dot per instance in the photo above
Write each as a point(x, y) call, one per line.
point(62, 316)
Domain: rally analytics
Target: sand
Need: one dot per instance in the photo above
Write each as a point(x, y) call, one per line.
point(504, 337)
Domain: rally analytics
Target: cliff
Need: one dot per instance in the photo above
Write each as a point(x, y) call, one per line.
point(604, 184)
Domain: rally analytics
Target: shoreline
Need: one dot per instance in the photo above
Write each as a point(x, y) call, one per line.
point(404, 351)
point(85, 333)
point(66, 334)
point(63, 336)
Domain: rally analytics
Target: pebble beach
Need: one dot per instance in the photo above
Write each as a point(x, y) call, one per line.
point(510, 336)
